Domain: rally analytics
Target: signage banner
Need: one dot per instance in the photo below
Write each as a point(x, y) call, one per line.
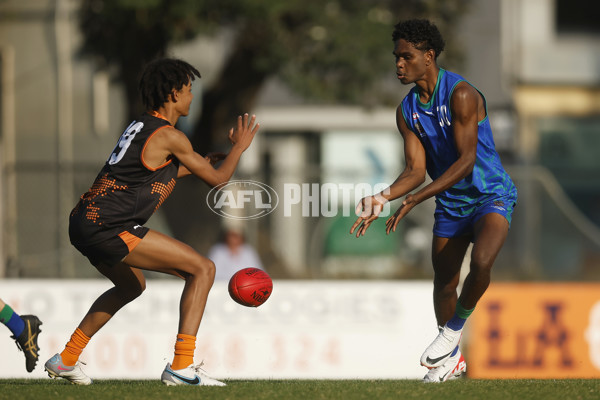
point(535, 331)
point(307, 330)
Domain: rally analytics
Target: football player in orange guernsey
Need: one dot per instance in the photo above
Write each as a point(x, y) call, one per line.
point(107, 225)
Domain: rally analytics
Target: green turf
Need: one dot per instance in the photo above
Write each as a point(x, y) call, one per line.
point(465, 389)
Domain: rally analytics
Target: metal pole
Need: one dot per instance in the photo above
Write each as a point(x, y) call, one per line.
point(64, 103)
point(9, 181)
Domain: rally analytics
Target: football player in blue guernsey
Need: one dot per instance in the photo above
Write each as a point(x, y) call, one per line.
point(446, 131)
point(107, 225)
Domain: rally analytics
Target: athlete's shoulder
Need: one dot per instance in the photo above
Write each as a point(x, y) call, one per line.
point(451, 76)
point(153, 120)
point(408, 101)
point(457, 87)
point(171, 139)
point(454, 81)
point(463, 90)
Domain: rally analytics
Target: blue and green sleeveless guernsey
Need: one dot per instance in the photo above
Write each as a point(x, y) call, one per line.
point(432, 123)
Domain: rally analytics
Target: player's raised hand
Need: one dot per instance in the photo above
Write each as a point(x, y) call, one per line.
point(407, 205)
point(367, 210)
point(243, 134)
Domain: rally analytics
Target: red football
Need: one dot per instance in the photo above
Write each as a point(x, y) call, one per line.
point(250, 287)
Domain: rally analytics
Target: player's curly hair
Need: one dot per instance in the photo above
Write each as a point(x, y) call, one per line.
point(161, 77)
point(420, 33)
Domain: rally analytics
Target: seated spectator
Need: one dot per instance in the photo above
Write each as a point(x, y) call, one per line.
point(232, 253)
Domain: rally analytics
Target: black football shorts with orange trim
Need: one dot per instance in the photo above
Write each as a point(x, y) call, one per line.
point(113, 250)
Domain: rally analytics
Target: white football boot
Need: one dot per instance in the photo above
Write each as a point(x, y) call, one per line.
point(74, 374)
point(441, 348)
point(451, 369)
point(191, 375)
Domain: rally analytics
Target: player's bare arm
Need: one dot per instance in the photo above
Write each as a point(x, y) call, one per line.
point(241, 137)
point(411, 177)
point(414, 171)
point(172, 142)
point(416, 164)
point(215, 157)
point(212, 158)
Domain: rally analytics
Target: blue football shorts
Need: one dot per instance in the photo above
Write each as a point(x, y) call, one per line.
point(449, 226)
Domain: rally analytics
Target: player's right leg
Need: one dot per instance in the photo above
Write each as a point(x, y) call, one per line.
point(447, 257)
point(56, 368)
point(129, 283)
point(161, 253)
point(491, 231)
point(451, 369)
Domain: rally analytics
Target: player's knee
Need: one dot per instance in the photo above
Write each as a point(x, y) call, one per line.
point(140, 289)
point(205, 269)
point(480, 264)
point(131, 292)
point(444, 285)
point(480, 268)
point(210, 269)
point(445, 289)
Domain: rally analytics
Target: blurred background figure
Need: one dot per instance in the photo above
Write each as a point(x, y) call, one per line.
point(232, 253)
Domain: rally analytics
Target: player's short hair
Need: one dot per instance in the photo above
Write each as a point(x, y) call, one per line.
point(420, 33)
point(160, 77)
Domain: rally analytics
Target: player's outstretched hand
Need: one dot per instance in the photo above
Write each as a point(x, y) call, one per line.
point(407, 205)
point(368, 210)
point(243, 134)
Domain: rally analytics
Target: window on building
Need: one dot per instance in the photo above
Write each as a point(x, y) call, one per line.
point(569, 149)
point(575, 16)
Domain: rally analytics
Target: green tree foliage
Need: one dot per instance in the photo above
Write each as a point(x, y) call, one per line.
point(123, 35)
point(325, 51)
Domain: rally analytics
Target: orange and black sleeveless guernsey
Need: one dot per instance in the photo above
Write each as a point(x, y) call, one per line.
point(107, 223)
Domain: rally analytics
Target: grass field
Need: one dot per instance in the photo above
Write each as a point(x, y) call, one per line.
point(465, 389)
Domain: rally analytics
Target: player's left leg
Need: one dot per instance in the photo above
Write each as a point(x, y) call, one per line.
point(161, 253)
point(490, 233)
point(25, 330)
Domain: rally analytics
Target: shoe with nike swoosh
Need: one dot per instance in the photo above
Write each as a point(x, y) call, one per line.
point(441, 348)
point(74, 374)
point(191, 375)
point(452, 369)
